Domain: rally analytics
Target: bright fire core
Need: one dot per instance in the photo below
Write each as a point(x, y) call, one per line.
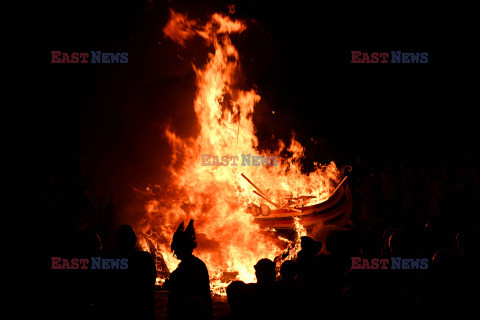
point(229, 241)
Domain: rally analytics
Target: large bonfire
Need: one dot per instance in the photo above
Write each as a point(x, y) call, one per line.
point(217, 196)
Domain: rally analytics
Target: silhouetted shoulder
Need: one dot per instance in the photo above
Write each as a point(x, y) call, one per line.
point(199, 263)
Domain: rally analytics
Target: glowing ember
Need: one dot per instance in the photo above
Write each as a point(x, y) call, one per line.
point(229, 242)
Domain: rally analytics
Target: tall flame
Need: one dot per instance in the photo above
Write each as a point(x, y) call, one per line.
point(216, 196)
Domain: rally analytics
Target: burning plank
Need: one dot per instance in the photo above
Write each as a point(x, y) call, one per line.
point(335, 210)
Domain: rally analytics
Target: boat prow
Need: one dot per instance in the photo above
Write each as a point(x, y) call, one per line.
point(335, 210)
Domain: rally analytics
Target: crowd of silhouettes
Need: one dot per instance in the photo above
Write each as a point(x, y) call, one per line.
point(322, 283)
point(399, 211)
point(126, 292)
point(410, 211)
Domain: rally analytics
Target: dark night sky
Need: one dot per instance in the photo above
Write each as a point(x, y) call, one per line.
point(106, 121)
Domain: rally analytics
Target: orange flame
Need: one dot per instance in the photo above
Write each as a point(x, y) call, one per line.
point(216, 196)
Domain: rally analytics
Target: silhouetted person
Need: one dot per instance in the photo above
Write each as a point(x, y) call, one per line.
point(288, 272)
point(289, 290)
point(189, 284)
point(133, 288)
point(465, 272)
point(79, 289)
point(309, 249)
point(265, 294)
point(321, 275)
point(89, 281)
point(238, 300)
point(305, 259)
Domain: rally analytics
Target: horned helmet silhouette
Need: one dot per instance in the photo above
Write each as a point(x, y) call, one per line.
point(184, 239)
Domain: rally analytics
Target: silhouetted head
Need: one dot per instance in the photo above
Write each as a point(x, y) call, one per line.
point(288, 270)
point(401, 243)
point(395, 242)
point(310, 246)
point(184, 241)
point(126, 238)
point(344, 243)
point(92, 243)
point(265, 271)
point(468, 242)
point(237, 296)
